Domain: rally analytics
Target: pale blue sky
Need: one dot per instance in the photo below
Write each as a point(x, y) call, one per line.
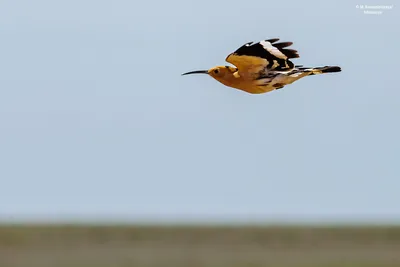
point(97, 123)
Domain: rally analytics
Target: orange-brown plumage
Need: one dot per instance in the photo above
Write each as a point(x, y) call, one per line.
point(262, 67)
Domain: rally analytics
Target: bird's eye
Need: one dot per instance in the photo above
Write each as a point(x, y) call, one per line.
point(216, 71)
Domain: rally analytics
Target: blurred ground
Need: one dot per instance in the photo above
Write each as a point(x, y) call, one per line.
point(140, 246)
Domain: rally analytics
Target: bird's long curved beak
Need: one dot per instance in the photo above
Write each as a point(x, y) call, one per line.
point(196, 72)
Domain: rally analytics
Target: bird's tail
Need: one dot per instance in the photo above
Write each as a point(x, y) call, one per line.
point(320, 70)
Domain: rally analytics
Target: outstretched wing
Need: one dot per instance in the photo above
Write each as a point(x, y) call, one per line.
point(266, 55)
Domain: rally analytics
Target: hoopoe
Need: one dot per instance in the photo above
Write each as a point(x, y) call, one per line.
point(262, 67)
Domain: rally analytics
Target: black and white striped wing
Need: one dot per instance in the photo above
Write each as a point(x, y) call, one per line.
point(266, 55)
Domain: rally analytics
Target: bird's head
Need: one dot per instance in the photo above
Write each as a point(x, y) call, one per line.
point(222, 74)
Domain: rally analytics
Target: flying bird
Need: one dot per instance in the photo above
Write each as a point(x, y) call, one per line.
point(262, 67)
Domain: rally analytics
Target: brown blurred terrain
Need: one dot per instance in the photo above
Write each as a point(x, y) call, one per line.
point(176, 246)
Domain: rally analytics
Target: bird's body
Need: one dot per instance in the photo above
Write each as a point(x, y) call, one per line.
point(263, 67)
